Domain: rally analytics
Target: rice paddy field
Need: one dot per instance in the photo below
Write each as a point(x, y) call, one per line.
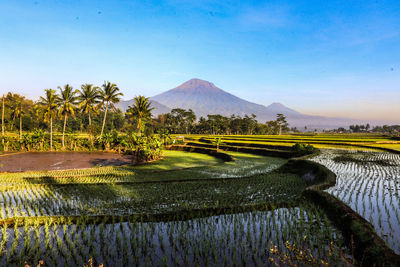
point(369, 182)
point(195, 209)
point(364, 142)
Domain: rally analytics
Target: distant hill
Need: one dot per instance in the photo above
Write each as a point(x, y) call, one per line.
point(205, 98)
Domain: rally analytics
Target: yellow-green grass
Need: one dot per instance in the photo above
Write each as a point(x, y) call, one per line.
point(346, 142)
point(173, 159)
point(327, 145)
point(316, 138)
point(395, 146)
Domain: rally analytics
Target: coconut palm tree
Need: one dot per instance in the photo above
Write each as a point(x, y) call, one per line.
point(109, 96)
point(67, 102)
point(17, 113)
point(49, 105)
point(89, 99)
point(140, 110)
point(2, 118)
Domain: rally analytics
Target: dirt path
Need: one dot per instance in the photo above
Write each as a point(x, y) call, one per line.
point(59, 160)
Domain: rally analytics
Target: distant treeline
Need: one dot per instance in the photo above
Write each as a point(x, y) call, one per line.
point(91, 109)
point(385, 129)
point(180, 121)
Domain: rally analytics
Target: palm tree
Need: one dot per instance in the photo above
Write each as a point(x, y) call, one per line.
point(109, 96)
point(140, 110)
point(17, 114)
point(49, 105)
point(67, 104)
point(2, 118)
point(89, 98)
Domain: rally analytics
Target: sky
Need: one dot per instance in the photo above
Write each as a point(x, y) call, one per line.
point(332, 58)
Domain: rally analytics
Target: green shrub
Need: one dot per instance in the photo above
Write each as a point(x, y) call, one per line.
point(303, 149)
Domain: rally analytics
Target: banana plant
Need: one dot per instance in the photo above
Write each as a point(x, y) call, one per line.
point(217, 142)
point(38, 137)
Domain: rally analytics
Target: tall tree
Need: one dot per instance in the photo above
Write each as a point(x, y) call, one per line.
point(281, 121)
point(17, 114)
point(190, 118)
point(89, 99)
point(49, 105)
point(2, 118)
point(140, 110)
point(67, 104)
point(109, 95)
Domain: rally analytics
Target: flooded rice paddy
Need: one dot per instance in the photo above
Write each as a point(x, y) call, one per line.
point(369, 182)
point(30, 161)
point(234, 239)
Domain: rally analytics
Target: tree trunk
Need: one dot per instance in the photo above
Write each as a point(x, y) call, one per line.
point(280, 129)
point(140, 126)
point(2, 119)
point(90, 129)
point(104, 120)
point(63, 136)
point(51, 133)
point(20, 127)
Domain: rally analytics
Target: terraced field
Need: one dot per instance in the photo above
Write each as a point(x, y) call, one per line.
point(195, 209)
point(186, 209)
point(367, 142)
point(369, 182)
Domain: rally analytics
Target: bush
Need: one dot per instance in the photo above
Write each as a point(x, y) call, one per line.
point(303, 149)
point(143, 148)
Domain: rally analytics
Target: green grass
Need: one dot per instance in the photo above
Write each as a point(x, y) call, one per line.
point(173, 159)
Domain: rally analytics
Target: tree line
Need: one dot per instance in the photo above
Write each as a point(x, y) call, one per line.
point(180, 121)
point(367, 128)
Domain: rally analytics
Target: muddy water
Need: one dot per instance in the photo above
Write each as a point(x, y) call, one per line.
point(59, 160)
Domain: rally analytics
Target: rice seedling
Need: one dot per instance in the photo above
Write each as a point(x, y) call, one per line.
point(208, 240)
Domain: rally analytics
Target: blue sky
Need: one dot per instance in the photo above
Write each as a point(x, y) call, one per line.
point(335, 58)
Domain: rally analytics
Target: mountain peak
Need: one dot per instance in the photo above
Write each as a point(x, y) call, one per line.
point(198, 86)
point(277, 105)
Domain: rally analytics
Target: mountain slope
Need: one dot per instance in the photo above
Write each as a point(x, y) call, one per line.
point(205, 98)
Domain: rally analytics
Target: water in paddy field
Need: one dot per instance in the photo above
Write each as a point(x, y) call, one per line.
point(241, 239)
point(18, 162)
point(369, 182)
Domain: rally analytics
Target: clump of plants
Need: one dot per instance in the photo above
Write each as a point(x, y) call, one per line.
point(143, 148)
point(303, 149)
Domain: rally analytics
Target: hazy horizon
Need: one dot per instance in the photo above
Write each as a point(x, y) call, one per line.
point(330, 59)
